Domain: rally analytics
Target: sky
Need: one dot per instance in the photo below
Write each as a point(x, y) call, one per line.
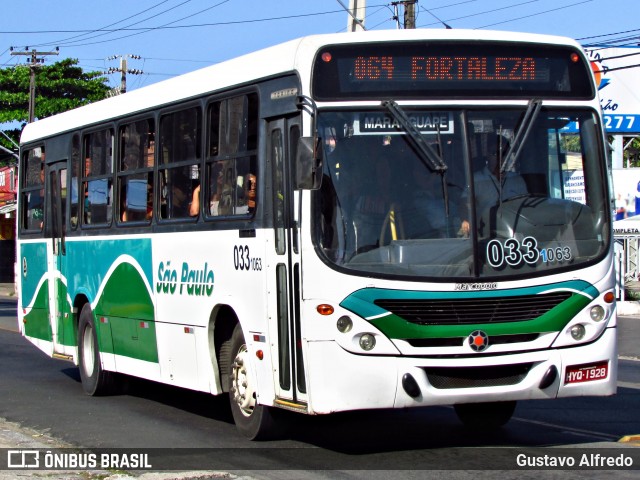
point(172, 37)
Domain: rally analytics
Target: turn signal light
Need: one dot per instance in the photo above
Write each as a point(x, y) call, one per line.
point(325, 309)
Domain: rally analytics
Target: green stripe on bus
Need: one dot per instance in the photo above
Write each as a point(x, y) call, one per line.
point(125, 295)
point(125, 315)
point(67, 334)
point(32, 265)
point(361, 303)
point(36, 321)
point(132, 338)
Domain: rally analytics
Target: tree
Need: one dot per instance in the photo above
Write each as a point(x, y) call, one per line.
point(632, 153)
point(60, 87)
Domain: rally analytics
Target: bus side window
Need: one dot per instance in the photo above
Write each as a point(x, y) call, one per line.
point(75, 174)
point(232, 163)
point(97, 181)
point(33, 190)
point(135, 171)
point(180, 146)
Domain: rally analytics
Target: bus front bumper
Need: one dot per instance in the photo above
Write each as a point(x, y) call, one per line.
point(341, 381)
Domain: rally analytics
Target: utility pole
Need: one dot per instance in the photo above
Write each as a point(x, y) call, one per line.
point(410, 13)
point(356, 11)
point(396, 17)
point(124, 70)
point(35, 63)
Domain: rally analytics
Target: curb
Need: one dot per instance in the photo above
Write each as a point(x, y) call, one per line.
point(628, 308)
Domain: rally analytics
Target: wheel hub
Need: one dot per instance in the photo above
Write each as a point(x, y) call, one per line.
point(241, 387)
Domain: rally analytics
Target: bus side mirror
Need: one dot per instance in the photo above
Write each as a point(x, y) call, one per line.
point(308, 163)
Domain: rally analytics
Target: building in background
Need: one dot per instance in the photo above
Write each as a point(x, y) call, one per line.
point(8, 188)
point(617, 71)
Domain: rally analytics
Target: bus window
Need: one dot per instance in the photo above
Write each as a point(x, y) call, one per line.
point(137, 156)
point(231, 167)
point(75, 174)
point(33, 190)
point(180, 154)
point(97, 180)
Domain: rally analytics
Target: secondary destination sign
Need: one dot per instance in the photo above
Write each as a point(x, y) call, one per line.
point(426, 122)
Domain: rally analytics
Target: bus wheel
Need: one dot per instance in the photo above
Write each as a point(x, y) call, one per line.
point(95, 380)
point(252, 420)
point(489, 415)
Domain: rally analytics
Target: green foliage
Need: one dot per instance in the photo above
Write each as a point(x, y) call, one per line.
point(570, 143)
point(632, 153)
point(60, 87)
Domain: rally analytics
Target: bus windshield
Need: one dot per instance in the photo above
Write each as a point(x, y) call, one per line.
point(461, 193)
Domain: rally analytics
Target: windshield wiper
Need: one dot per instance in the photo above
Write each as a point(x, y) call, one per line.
point(426, 153)
point(530, 115)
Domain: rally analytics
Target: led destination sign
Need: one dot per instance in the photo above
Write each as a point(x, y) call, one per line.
point(450, 70)
point(460, 68)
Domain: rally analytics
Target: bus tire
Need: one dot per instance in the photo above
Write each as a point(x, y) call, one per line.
point(95, 380)
point(488, 416)
point(254, 421)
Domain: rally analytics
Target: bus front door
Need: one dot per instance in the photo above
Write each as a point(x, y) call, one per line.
point(55, 224)
point(291, 388)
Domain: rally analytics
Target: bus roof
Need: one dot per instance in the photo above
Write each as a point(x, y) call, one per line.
point(293, 56)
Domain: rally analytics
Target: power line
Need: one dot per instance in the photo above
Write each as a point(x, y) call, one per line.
point(148, 29)
point(453, 5)
point(480, 13)
point(107, 32)
point(197, 25)
point(609, 34)
point(187, 60)
point(534, 14)
point(619, 56)
point(620, 42)
point(65, 41)
point(606, 70)
point(446, 25)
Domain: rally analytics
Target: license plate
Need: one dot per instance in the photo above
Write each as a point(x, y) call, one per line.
point(586, 373)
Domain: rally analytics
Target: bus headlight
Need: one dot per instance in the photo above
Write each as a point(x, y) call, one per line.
point(344, 324)
point(367, 342)
point(597, 313)
point(578, 331)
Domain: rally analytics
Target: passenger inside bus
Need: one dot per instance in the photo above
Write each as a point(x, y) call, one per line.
point(491, 186)
point(180, 183)
point(367, 191)
point(425, 215)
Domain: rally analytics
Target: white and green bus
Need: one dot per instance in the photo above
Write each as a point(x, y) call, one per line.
point(370, 220)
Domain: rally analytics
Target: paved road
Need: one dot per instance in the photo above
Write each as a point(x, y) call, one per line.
point(158, 416)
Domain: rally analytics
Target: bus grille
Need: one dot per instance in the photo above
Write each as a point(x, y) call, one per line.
point(475, 377)
point(459, 341)
point(464, 311)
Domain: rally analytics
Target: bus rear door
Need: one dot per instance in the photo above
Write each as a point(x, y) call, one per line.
point(55, 225)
